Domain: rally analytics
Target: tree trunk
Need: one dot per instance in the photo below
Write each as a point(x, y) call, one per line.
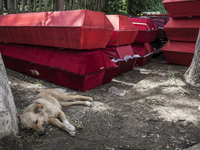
point(8, 113)
point(58, 5)
point(192, 75)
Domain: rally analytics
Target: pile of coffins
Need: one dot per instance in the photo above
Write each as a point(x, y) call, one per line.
point(147, 32)
point(58, 49)
point(160, 21)
point(182, 30)
point(118, 47)
point(79, 49)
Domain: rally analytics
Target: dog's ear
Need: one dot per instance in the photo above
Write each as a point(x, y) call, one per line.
point(38, 107)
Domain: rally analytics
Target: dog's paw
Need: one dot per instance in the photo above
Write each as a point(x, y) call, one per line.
point(72, 133)
point(90, 99)
point(69, 128)
point(88, 103)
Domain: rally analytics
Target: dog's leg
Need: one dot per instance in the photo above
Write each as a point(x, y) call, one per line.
point(56, 122)
point(62, 96)
point(68, 127)
point(68, 97)
point(86, 103)
point(65, 125)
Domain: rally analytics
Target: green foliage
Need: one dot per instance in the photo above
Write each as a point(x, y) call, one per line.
point(137, 6)
point(122, 7)
point(91, 6)
point(155, 5)
point(133, 7)
point(115, 7)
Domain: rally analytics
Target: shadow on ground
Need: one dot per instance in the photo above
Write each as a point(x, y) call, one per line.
point(159, 111)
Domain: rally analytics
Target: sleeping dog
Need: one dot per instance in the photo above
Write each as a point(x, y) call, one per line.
point(46, 109)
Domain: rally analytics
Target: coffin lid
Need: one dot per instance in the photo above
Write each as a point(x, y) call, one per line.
point(186, 47)
point(73, 18)
point(77, 62)
point(144, 24)
point(183, 23)
point(121, 22)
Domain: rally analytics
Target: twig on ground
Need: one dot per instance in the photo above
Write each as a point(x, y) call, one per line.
point(101, 118)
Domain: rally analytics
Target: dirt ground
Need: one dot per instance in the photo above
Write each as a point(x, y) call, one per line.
point(159, 111)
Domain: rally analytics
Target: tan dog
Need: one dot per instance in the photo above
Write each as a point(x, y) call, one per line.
point(46, 109)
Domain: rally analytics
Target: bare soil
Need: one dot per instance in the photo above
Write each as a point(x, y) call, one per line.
point(159, 111)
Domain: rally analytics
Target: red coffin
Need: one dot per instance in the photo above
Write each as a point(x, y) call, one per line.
point(145, 50)
point(179, 52)
point(186, 29)
point(147, 30)
point(77, 29)
point(182, 8)
point(124, 31)
point(160, 22)
point(122, 56)
point(79, 70)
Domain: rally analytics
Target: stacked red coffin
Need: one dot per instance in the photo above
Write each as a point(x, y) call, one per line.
point(145, 51)
point(79, 70)
point(122, 56)
point(182, 32)
point(77, 29)
point(182, 8)
point(179, 52)
point(124, 31)
point(160, 22)
point(118, 47)
point(147, 32)
point(182, 29)
point(161, 39)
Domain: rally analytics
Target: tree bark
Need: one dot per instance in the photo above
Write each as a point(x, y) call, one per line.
point(192, 75)
point(59, 5)
point(8, 113)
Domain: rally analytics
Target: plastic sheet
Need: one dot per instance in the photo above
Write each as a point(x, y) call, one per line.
point(76, 29)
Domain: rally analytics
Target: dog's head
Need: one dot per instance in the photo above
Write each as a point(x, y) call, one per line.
point(32, 119)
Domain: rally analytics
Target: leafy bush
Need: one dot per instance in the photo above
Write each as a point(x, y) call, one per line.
point(115, 7)
point(133, 7)
point(137, 6)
